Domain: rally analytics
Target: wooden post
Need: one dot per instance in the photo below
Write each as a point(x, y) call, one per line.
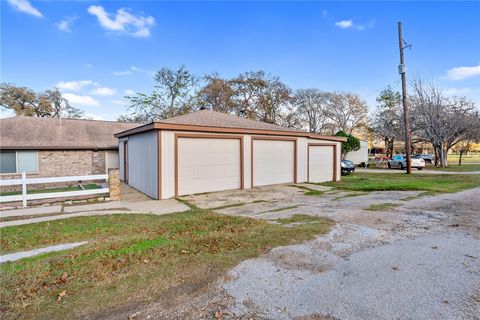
point(406, 116)
point(24, 189)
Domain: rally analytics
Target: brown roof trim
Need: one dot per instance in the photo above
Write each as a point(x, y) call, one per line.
point(56, 148)
point(197, 128)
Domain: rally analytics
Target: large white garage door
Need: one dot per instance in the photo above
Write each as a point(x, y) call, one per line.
point(273, 162)
point(206, 165)
point(321, 164)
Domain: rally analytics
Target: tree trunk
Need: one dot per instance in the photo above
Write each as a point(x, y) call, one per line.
point(435, 152)
point(443, 157)
point(460, 158)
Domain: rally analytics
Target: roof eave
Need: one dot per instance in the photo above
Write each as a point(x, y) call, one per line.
point(57, 148)
point(199, 128)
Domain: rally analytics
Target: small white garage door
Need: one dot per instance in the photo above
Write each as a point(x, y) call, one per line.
point(206, 165)
point(321, 163)
point(273, 162)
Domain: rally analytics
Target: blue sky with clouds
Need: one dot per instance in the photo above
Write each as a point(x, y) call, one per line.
point(97, 52)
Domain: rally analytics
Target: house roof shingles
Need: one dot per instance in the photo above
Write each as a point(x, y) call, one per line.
point(53, 133)
point(211, 118)
point(213, 121)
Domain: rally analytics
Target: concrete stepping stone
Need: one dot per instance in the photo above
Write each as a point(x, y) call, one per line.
point(25, 254)
point(31, 211)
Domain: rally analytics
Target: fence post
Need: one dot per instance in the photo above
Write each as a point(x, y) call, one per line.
point(24, 189)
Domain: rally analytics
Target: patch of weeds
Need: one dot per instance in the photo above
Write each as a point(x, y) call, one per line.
point(302, 218)
point(280, 209)
point(350, 195)
point(314, 193)
point(240, 204)
point(309, 192)
point(418, 196)
point(381, 206)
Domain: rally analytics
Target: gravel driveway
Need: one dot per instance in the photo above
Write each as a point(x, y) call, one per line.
point(419, 259)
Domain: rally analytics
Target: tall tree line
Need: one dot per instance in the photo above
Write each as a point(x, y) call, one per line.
point(254, 95)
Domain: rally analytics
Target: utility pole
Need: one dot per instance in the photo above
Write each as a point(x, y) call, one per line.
point(406, 117)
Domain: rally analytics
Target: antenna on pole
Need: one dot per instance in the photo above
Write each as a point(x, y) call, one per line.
point(406, 117)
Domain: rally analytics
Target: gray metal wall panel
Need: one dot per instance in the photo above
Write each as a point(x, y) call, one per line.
point(142, 162)
point(120, 160)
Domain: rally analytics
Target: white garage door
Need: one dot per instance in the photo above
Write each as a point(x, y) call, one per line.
point(320, 163)
point(273, 162)
point(206, 165)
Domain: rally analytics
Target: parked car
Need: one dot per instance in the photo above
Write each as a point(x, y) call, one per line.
point(347, 167)
point(427, 157)
point(400, 162)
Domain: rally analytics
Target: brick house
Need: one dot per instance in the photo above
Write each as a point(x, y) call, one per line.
point(53, 147)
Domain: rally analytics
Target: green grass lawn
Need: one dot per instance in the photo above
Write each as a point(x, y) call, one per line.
point(75, 188)
point(132, 259)
point(421, 182)
point(453, 158)
point(454, 167)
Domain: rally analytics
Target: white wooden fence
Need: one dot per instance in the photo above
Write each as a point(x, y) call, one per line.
point(24, 181)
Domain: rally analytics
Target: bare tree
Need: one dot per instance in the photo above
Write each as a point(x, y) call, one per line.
point(27, 102)
point(387, 120)
point(345, 111)
point(310, 104)
point(442, 121)
point(173, 95)
point(290, 118)
point(273, 98)
point(217, 94)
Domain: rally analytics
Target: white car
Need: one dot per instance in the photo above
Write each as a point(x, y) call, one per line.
point(400, 162)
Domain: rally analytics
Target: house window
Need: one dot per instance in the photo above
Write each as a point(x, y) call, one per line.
point(18, 161)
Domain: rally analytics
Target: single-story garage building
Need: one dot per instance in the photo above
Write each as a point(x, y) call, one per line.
point(210, 151)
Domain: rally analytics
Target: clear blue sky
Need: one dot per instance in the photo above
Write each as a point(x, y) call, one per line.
point(97, 51)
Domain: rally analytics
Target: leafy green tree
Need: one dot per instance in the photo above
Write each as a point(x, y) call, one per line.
point(26, 102)
point(172, 95)
point(352, 143)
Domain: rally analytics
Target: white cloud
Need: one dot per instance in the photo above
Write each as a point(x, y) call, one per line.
point(123, 21)
point(94, 116)
point(26, 7)
point(65, 24)
point(81, 100)
point(460, 73)
point(74, 85)
point(456, 91)
point(119, 102)
point(129, 92)
point(131, 70)
point(344, 24)
point(104, 91)
point(122, 73)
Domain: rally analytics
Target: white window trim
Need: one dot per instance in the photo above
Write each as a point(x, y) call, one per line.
point(16, 164)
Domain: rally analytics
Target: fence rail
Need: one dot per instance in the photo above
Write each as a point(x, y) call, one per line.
point(24, 181)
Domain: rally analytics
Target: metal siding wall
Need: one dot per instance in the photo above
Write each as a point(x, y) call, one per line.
point(339, 160)
point(247, 161)
point(120, 157)
point(142, 162)
point(302, 153)
point(168, 165)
